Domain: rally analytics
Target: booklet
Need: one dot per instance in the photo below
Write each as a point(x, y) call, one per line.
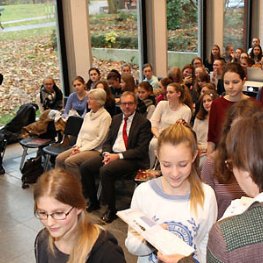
point(163, 240)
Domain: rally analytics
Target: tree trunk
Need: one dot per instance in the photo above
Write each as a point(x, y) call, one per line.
point(112, 6)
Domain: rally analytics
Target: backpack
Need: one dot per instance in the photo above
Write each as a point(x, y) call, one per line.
point(31, 170)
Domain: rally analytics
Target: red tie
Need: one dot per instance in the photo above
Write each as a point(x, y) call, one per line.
point(124, 132)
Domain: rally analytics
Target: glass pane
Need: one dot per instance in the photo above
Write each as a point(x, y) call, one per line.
point(234, 23)
point(114, 35)
point(28, 51)
point(182, 25)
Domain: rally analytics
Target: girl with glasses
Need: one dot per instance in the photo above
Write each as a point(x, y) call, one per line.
point(69, 236)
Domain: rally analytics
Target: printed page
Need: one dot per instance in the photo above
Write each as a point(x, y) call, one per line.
point(163, 240)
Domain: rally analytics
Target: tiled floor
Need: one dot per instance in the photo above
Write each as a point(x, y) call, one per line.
point(18, 226)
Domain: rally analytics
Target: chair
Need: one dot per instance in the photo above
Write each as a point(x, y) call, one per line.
point(71, 132)
point(32, 142)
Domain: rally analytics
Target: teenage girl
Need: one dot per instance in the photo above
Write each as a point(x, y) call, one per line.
point(77, 101)
point(177, 200)
point(201, 121)
point(94, 76)
point(233, 79)
point(146, 101)
point(68, 234)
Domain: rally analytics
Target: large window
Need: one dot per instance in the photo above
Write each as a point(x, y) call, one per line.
point(234, 23)
point(114, 36)
point(182, 25)
point(28, 51)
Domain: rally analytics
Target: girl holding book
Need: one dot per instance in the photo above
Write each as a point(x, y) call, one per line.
point(177, 200)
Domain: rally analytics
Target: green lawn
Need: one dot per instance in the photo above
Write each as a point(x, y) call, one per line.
point(17, 12)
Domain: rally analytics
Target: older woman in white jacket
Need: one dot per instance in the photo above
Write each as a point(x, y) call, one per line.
point(91, 136)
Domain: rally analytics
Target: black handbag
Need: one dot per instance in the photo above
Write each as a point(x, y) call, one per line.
point(31, 170)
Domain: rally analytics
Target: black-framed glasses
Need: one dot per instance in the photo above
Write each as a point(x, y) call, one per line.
point(127, 103)
point(229, 165)
point(56, 215)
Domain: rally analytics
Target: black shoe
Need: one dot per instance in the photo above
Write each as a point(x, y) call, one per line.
point(2, 170)
point(109, 216)
point(92, 207)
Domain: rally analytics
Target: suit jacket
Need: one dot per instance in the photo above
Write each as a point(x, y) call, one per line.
point(138, 141)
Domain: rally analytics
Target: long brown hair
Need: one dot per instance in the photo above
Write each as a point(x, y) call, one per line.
point(202, 113)
point(245, 148)
point(181, 132)
point(243, 108)
point(67, 189)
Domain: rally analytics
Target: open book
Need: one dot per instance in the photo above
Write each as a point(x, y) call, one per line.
point(163, 240)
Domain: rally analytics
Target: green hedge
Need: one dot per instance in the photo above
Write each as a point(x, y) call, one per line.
point(99, 41)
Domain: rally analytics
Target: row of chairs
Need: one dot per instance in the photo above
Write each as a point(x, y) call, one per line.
point(48, 147)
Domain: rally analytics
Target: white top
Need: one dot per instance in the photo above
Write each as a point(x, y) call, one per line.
point(238, 206)
point(94, 130)
point(175, 213)
point(163, 116)
point(119, 145)
point(201, 129)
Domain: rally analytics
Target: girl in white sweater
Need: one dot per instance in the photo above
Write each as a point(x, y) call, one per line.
point(177, 200)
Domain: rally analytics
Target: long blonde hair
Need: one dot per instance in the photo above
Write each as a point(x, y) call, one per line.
point(178, 133)
point(67, 189)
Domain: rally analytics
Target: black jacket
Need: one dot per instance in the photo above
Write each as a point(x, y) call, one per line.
point(105, 250)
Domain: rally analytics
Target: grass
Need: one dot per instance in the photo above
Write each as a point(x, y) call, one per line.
point(27, 34)
point(4, 119)
point(17, 12)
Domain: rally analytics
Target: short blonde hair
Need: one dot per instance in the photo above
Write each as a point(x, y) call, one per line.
point(99, 95)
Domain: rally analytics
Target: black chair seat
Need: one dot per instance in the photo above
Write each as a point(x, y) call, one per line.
point(35, 142)
point(32, 142)
point(56, 149)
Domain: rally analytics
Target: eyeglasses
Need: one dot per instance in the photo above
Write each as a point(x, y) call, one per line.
point(127, 103)
point(229, 165)
point(56, 215)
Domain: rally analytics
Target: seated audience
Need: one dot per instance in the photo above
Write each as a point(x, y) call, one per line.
point(178, 200)
point(146, 100)
point(201, 122)
point(215, 54)
point(216, 75)
point(214, 171)
point(126, 68)
point(94, 76)
point(167, 113)
point(188, 80)
point(92, 134)
point(255, 41)
point(69, 235)
point(175, 74)
point(50, 96)
point(147, 70)
point(197, 62)
point(233, 79)
point(237, 54)
point(256, 55)
point(110, 104)
point(124, 151)
point(77, 101)
point(229, 55)
point(239, 238)
point(127, 82)
point(163, 83)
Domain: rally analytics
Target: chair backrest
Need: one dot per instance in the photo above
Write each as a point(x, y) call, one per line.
point(73, 126)
point(72, 129)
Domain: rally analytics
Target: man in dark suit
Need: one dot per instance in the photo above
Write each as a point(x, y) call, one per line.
point(124, 151)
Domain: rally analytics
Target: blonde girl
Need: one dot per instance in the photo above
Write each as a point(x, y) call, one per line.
point(177, 200)
point(69, 236)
